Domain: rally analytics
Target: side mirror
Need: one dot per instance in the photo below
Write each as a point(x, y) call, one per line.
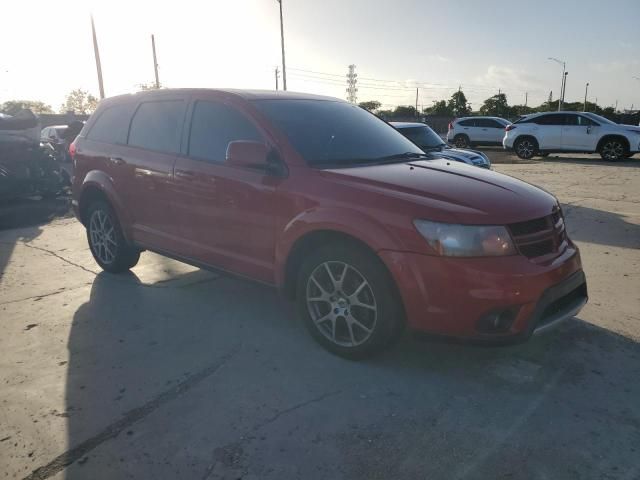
point(254, 155)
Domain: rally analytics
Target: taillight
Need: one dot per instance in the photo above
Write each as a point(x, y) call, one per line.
point(509, 128)
point(450, 125)
point(72, 150)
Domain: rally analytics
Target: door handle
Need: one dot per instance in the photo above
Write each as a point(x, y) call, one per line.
point(116, 160)
point(186, 174)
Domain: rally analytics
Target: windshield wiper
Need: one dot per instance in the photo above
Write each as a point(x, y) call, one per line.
point(401, 156)
point(398, 157)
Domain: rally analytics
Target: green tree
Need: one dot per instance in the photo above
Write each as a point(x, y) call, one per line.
point(405, 111)
point(371, 105)
point(496, 105)
point(458, 104)
point(79, 101)
point(439, 108)
point(12, 107)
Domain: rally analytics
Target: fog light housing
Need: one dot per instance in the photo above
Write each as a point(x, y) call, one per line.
point(497, 321)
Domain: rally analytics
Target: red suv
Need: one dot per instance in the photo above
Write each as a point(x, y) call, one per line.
point(331, 205)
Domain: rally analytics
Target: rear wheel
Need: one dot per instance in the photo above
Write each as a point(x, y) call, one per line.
point(612, 150)
point(347, 301)
point(525, 148)
point(106, 241)
point(461, 141)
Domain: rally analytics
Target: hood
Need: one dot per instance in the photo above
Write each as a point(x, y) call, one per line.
point(465, 156)
point(447, 191)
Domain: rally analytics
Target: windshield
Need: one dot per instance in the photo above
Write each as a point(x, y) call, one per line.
point(424, 137)
point(328, 132)
point(600, 119)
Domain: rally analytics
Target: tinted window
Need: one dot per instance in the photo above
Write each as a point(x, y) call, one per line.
point(552, 119)
point(424, 137)
point(494, 124)
point(112, 125)
point(467, 123)
point(335, 132)
point(584, 121)
point(213, 126)
point(158, 126)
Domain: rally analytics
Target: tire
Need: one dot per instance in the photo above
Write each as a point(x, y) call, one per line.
point(612, 150)
point(347, 301)
point(461, 141)
point(106, 241)
point(525, 147)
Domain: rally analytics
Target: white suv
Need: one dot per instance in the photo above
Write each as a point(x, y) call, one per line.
point(583, 132)
point(467, 131)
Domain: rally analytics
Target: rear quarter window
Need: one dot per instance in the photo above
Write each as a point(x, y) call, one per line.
point(112, 124)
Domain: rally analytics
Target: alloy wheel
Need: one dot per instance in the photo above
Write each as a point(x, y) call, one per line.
point(525, 149)
point(341, 303)
point(103, 236)
point(461, 142)
point(612, 150)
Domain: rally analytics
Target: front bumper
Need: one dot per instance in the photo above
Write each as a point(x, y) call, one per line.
point(451, 296)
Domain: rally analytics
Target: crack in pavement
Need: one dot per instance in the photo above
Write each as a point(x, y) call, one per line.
point(44, 295)
point(129, 418)
point(244, 438)
point(53, 254)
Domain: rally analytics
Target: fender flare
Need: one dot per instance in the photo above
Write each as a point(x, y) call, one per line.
point(99, 180)
point(353, 223)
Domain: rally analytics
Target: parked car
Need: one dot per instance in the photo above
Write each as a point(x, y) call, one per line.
point(330, 204)
point(431, 143)
point(53, 134)
point(579, 132)
point(469, 131)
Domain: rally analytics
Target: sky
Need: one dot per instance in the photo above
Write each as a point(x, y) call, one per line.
point(397, 45)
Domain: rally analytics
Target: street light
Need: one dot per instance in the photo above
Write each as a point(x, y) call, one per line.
point(586, 89)
point(284, 68)
point(564, 65)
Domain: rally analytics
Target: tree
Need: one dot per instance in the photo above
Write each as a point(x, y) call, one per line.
point(402, 111)
point(458, 104)
point(12, 107)
point(496, 105)
point(79, 101)
point(440, 108)
point(371, 105)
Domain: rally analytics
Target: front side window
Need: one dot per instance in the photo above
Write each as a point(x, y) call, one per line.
point(213, 126)
point(112, 124)
point(158, 126)
point(467, 123)
point(330, 132)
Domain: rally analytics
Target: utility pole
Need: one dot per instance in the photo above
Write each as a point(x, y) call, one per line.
point(586, 89)
point(416, 101)
point(526, 98)
point(284, 66)
point(616, 109)
point(277, 75)
point(96, 53)
point(564, 66)
point(564, 88)
point(155, 60)
point(351, 84)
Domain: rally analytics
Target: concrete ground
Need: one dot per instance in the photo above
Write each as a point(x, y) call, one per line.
point(173, 372)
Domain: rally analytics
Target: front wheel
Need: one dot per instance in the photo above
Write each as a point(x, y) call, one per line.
point(525, 148)
point(106, 241)
point(348, 302)
point(612, 150)
point(461, 141)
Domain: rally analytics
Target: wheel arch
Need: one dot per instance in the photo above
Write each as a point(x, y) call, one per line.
point(613, 136)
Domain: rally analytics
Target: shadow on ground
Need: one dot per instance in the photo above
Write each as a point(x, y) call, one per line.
point(216, 379)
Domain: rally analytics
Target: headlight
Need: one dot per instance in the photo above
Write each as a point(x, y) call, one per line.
point(466, 240)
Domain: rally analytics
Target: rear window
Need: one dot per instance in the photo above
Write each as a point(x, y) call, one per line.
point(112, 124)
point(158, 126)
point(466, 123)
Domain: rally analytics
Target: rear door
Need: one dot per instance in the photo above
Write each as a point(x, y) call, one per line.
point(469, 128)
point(154, 141)
point(579, 133)
point(226, 212)
point(488, 130)
point(548, 130)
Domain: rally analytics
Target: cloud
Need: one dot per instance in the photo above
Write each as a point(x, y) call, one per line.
point(615, 66)
point(439, 58)
point(508, 78)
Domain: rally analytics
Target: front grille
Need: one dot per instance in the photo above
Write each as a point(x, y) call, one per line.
point(540, 236)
